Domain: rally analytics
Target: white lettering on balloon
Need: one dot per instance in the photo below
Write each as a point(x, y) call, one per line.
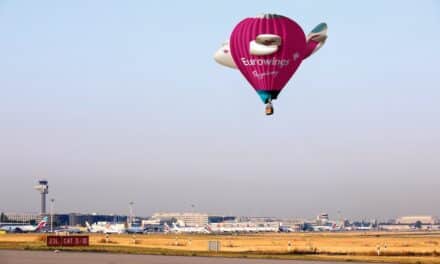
point(265, 62)
point(261, 75)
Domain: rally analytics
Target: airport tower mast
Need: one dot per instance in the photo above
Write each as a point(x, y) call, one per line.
point(43, 188)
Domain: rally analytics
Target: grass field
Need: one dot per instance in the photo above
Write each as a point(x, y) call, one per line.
point(394, 247)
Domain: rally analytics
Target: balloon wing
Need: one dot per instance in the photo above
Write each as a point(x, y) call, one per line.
point(223, 56)
point(316, 39)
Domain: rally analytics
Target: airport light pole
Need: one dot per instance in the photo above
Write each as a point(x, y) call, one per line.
point(131, 214)
point(52, 201)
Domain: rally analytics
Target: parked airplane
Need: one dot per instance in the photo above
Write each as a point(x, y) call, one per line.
point(68, 229)
point(155, 228)
point(135, 230)
point(267, 228)
point(186, 229)
point(229, 228)
point(243, 227)
point(321, 228)
point(14, 228)
point(105, 228)
point(364, 228)
point(286, 229)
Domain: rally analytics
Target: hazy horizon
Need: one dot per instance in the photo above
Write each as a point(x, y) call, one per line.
point(114, 102)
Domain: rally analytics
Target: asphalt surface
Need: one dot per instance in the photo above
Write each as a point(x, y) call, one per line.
point(50, 257)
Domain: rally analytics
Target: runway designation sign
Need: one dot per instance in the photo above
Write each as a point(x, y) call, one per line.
point(67, 241)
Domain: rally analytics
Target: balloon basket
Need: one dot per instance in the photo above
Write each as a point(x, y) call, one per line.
point(269, 109)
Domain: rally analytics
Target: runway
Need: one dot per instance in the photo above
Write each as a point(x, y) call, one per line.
point(50, 257)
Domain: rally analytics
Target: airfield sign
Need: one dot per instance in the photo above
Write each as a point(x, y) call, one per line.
point(67, 241)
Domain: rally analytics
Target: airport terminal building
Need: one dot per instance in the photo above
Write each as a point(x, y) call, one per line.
point(411, 220)
point(71, 219)
point(24, 218)
point(189, 219)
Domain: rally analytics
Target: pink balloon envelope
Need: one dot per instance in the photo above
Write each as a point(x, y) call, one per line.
point(268, 74)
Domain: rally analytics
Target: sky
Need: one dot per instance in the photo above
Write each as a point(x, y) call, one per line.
point(119, 101)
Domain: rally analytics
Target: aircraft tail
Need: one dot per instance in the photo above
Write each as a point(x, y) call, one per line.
point(89, 228)
point(41, 224)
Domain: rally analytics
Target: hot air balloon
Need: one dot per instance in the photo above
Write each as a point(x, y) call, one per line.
point(268, 50)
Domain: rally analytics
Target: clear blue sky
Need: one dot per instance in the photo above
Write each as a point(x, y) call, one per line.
point(114, 101)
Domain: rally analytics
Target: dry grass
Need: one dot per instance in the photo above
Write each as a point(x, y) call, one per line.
point(394, 247)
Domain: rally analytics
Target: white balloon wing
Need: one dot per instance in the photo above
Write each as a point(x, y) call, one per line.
point(223, 56)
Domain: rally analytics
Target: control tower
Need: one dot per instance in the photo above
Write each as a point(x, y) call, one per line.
point(43, 188)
